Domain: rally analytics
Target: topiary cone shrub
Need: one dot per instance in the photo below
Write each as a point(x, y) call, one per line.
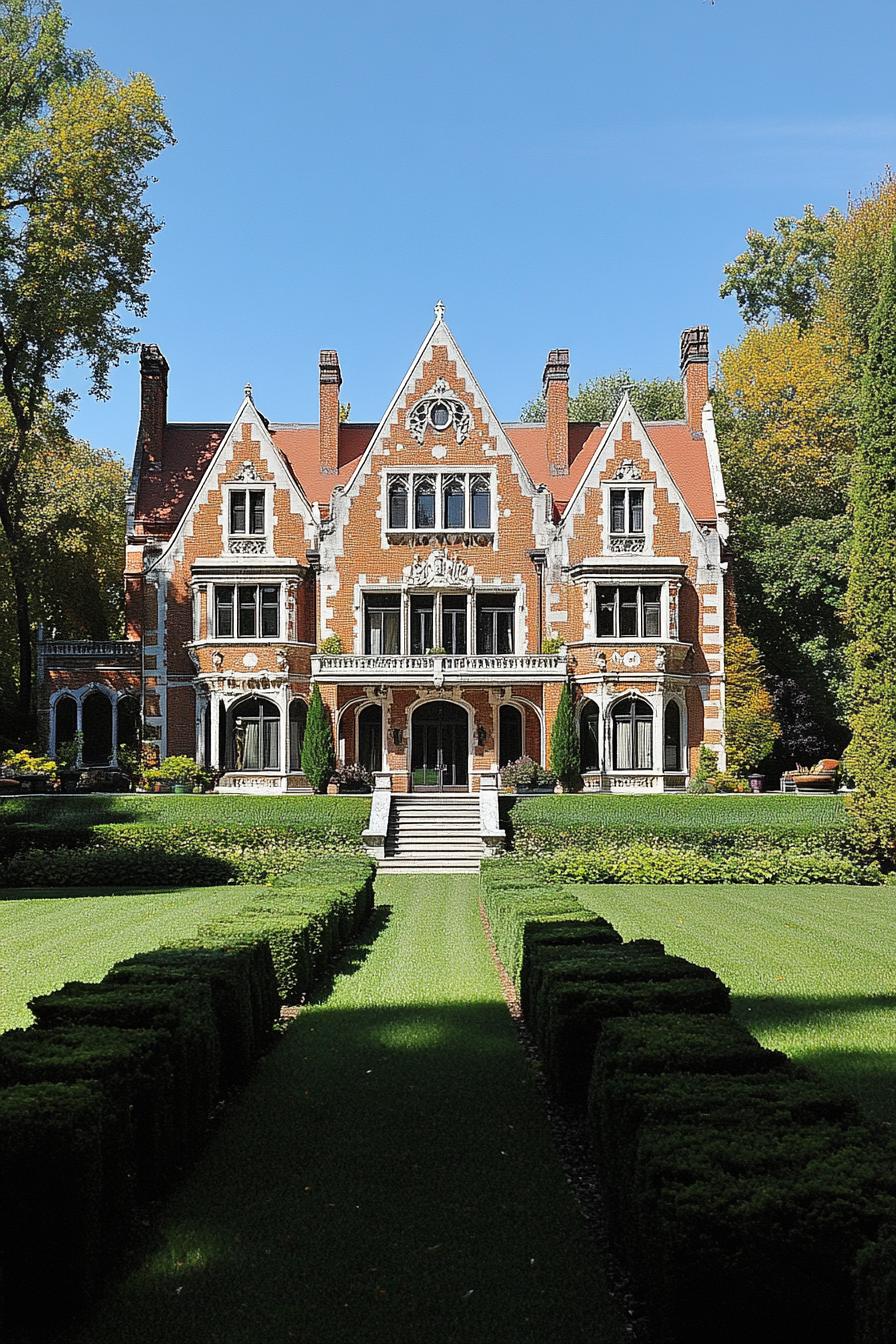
point(318, 756)
point(565, 759)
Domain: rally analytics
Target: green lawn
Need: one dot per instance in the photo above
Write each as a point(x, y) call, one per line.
point(46, 940)
point(679, 812)
point(812, 969)
point(194, 809)
point(388, 1174)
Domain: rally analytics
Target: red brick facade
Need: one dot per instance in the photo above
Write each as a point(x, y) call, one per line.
point(413, 569)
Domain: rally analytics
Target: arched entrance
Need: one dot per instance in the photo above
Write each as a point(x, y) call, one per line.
point(510, 734)
point(440, 747)
point(255, 739)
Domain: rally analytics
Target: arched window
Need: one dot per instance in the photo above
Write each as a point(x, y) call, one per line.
point(298, 714)
point(454, 503)
point(480, 502)
point(589, 736)
point(370, 738)
point(510, 734)
point(425, 502)
point(632, 735)
point(66, 719)
point(97, 720)
point(256, 735)
point(672, 737)
point(398, 502)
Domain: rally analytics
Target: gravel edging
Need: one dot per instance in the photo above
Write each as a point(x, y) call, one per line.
point(570, 1137)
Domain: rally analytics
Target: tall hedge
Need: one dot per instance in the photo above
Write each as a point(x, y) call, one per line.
point(318, 756)
point(565, 758)
point(871, 599)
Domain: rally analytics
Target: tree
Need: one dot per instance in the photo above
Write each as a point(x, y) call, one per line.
point(862, 246)
point(75, 239)
point(597, 400)
point(872, 582)
point(565, 757)
point(318, 756)
point(786, 272)
point(751, 728)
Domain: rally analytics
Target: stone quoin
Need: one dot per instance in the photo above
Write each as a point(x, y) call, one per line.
point(440, 575)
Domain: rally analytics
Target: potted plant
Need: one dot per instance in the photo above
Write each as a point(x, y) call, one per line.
point(353, 779)
point(152, 779)
point(331, 645)
point(67, 756)
point(180, 773)
point(129, 763)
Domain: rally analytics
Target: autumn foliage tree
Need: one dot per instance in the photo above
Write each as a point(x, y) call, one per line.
point(75, 240)
point(751, 728)
point(872, 582)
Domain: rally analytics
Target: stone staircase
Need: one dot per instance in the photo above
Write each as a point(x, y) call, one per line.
point(433, 833)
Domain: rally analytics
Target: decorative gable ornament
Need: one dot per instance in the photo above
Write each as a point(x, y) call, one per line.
point(440, 408)
point(628, 470)
point(247, 472)
point(438, 570)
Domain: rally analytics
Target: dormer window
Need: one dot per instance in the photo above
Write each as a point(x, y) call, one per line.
point(248, 513)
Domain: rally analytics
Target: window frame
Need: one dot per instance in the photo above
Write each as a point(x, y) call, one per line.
point(637, 587)
point(441, 478)
point(236, 585)
point(235, 540)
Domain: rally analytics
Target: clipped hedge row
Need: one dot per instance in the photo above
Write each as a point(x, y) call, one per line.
point(651, 859)
point(748, 1198)
point(137, 854)
point(110, 1092)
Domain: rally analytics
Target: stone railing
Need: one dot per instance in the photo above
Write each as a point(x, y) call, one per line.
point(439, 668)
point(58, 649)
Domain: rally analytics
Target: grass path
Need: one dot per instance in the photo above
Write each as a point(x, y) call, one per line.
point(812, 969)
point(46, 940)
point(388, 1174)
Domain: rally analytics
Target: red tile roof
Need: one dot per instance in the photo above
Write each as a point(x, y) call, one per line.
point(163, 496)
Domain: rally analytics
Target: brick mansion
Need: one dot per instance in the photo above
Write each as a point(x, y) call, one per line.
point(440, 575)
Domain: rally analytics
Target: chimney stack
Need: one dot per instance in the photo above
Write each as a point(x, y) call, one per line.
point(153, 405)
point(695, 374)
point(555, 387)
point(330, 383)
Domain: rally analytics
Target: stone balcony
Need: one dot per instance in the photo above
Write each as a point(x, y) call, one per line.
point(438, 669)
point(104, 652)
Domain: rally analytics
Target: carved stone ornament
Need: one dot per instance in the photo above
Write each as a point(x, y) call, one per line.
point(247, 472)
point(217, 660)
point(282, 660)
point(438, 570)
point(626, 545)
point(247, 546)
point(628, 470)
point(440, 408)
point(661, 660)
point(601, 662)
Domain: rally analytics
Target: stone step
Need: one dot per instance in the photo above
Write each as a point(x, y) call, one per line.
point(387, 866)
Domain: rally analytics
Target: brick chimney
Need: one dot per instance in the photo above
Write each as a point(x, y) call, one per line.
point(330, 383)
point(695, 374)
point(153, 405)
point(555, 386)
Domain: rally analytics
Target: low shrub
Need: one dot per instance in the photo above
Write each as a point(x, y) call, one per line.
point(131, 1067)
point(741, 1202)
point(572, 998)
point(183, 1011)
point(679, 1043)
point(51, 1178)
point(664, 862)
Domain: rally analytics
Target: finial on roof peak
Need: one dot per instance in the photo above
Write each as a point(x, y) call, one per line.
point(440, 311)
point(247, 392)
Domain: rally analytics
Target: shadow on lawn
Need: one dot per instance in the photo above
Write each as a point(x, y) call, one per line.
point(866, 1066)
point(352, 957)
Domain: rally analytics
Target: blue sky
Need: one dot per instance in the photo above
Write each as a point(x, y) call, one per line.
point(572, 173)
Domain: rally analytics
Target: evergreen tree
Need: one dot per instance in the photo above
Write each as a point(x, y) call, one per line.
point(565, 758)
point(871, 599)
point(318, 757)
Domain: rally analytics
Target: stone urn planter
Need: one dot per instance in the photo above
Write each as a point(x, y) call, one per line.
point(757, 783)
